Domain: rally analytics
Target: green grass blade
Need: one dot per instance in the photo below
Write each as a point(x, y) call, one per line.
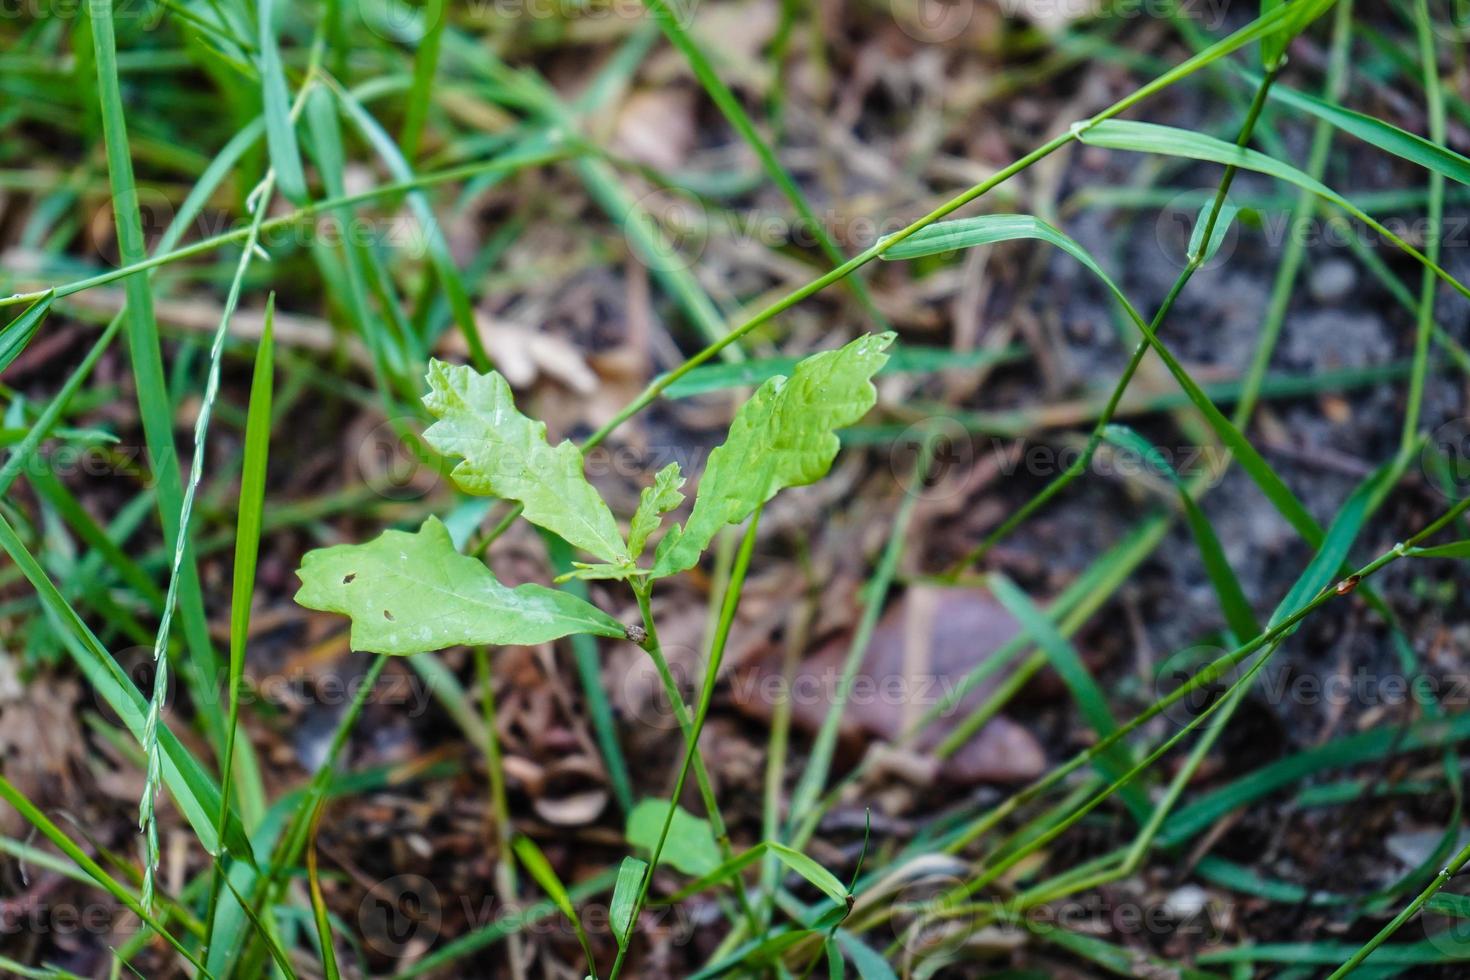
point(282, 961)
point(67, 846)
point(18, 333)
point(719, 93)
point(540, 869)
point(247, 549)
point(1455, 549)
point(1141, 137)
point(425, 67)
point(318, 903)
point(824, 881)
point(1325, 565)
point(190, 786)
point(1233, 604)
point(1375, 132)
point(280, 130)
point(1063, 657)
point(624, 896)
point(443, 263)
point(986, 229)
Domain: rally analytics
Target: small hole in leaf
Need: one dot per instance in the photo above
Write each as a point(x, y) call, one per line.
point(347, 579)
point(387, 615)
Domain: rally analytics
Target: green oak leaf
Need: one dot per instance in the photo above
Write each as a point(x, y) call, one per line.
point(783, 437)
point(506, 455)
point(408, 593)
point(653, 503)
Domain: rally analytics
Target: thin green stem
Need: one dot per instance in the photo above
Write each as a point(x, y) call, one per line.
point(505, 868)
point(721, 636)
point(654, 649)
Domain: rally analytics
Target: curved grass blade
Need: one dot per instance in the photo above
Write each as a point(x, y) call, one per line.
point(1141, 137)
point(19, 332)
point(986, 229)
point(822, 879)
point(1375, 132)
point(540, 869)
point(57, 836)
point(1233, 604)
point(624, 897)
point(318, 903)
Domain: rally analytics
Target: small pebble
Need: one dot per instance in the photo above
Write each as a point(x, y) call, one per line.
point(1187, 902)
point(1332, 281)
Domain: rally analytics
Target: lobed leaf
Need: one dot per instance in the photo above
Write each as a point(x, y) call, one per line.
point(505, 454)
point(783, 437)
point(653, 503)
point(408, 593)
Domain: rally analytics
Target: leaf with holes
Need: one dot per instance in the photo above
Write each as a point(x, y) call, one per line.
point(407, 593)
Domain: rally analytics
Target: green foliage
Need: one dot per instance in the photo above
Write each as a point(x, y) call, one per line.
point(690, 846)
point(407, 593)
point(625, 898)
point(507, 455)
point(541, 870)
point(783, 437)
point(653, 503)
